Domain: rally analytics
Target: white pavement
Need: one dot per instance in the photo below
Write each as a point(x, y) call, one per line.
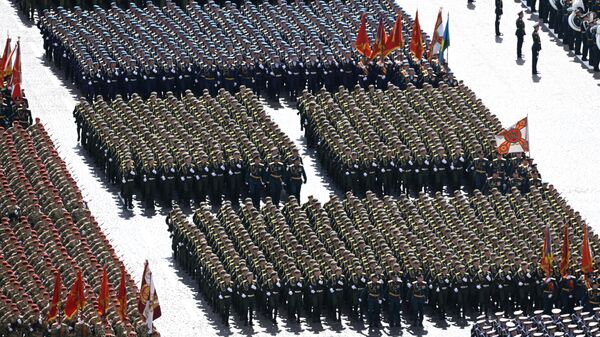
point(562, 104)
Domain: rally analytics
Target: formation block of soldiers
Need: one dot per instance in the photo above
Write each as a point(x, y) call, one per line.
point(274, 49)
point(375, 258)
point(46, 229)
point(195, 149)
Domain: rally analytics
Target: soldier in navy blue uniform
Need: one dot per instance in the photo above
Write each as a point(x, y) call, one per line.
point(394, 301)
point(236, 171)
point(276, 72)
point(440, 167)
point(210, 77)
point(406, 168)
point(186, 76)
point(331, 73)
point(371, 174)
point(348, 67)
point(418, 297)
point(202, 179)
point(364, 70)
point(248, 290)
point(187, 171)
point(422, 171)
point(225, 298)
point(219, 171)
point(151, 76)
point(313, 72)
point(255, 179)
point(295, 178)
point(374, 300)
point(230, 75)
point(381, 70)
point(272, 290)
point(111, 81)
point(259, 73)
point(480, 167)
point(246, 73)
point(168, 175)
point(295, 288)
point(389, 173)
point(149, 180)
point(170, 78)
point(295, 77)
point(275, 171)
point(128, 177)
point(131, 81)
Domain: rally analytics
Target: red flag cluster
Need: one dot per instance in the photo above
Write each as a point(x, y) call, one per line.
point(10, 72)
point(384, 44)
point(76, 299)
point(587, 266)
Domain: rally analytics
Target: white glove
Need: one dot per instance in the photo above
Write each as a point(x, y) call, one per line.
point(268, 293)
point(435, 169)
point(508, 277)
point(478, 286)
point(253, 287)
point(145, 180)
point(312, 291)
point(213, 174)
point(456, 290)
point(528, 275)
point(290, 292)
point(365, 174)
point(243, 295)
point(549, 295)
point(520, 284)
point(299, 284)
point(347, 173)
point(379, 301)
point(340, 283)
point(353, 287)
point(488, 278)
point(220, 297)
point(430, 286)
point(417, 171)
point(123, 180)
point(331, 290)
point(182, 179)
point(444, 161)
point(409, 285)
point(500, 286)
point(437, 290)
point(464, 279)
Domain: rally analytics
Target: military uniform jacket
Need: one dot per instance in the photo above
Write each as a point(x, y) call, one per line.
point(461, 282)
point(275, 170)
point(480, 165)
point(394, 288)
point(422, 164)
point(225, 290)
point(371, 168)
point(522, 279)
point(295, 286)
point(219, 169)
point(272, 288)
point(520, 28)
point(593, 296)
point(374, 290)
point(235, 168)
point(187, 173)
point(149, 173)
point(256, 173)
point(248, 289)
point(442, 282)
point(418, 291)
point(204, 172)
point(316, 285)
point(484, 280)
point(296, 173)
point(537, 44)
point(406, 165)
point(128, 175)
point(500, 166)
point(440, 164)
point(168, 173)
point(358, 282)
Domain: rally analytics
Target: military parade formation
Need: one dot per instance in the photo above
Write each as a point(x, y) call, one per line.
point(372, 258)
point(195, 149)
point(434, 212)
point(272, 49)
point(48, 232)
point(411, 141)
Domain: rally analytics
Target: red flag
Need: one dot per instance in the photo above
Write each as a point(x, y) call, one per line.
point(395, 39)
point(362, 44)
point(3, 61)
point(55, 304)
point(103, 297)
point(380, 41)
point(587, 266)
point(565, 258)
point(547, 257)
point(122, 296)
point(76, 298)
point(148, 305)
point(16, 74)
point(416, 40)
point(438, 37)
